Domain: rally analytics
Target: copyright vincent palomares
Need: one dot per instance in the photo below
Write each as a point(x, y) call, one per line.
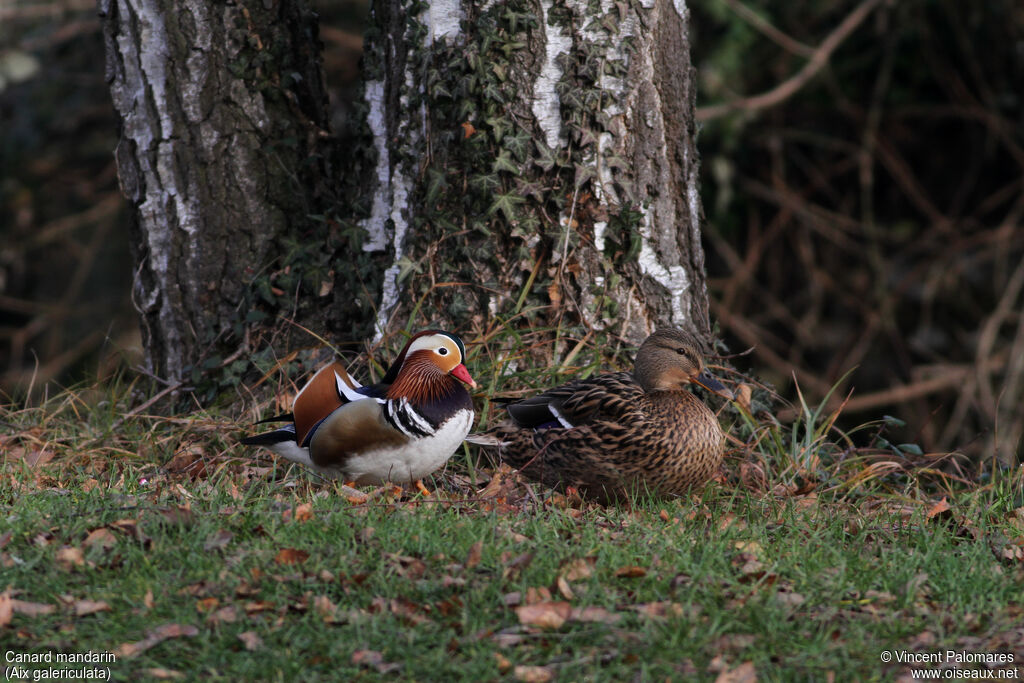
point(57, 666)
point(949, 664)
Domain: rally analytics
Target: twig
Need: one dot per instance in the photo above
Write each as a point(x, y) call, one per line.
point(789, 87)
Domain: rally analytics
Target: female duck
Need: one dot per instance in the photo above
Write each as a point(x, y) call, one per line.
point(620, 433)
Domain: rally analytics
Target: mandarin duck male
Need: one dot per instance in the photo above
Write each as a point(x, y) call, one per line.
point(397, 431)
point(620, 433)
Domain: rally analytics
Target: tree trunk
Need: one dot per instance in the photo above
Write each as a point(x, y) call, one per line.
point(223, 115)
point(536, 155)
point(530, 159)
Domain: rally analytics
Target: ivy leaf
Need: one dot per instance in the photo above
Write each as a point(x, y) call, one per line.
point(506, 204)
point(504, 163)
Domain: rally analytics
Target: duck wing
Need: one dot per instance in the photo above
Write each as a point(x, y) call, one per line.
point(609, 397)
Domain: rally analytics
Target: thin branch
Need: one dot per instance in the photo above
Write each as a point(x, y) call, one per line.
point(767, 30)
point(789, 87)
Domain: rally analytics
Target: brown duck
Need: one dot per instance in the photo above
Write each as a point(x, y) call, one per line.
point(621, 432)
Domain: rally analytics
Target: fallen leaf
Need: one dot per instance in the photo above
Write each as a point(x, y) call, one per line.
point(789, 599)
point(408, 567)
point(225, 615)
point(258, 606)
point(564, 588)
point(658, 609)
point(304, 512)
point(938, 508)
point(162, 673)
point(291, 556)
point(101, 537)
point(545, 615)
point(178, 515)
point(502, 661)
point(218, 540)
point(373, 659)
point(592, 614)
point(516, 564)
point(251, 639)
point(323, 606)
point(207, 604)
point(744, 673)
point(6, 608)
point(473, 556)
point(467, 130)
point(85, 607)
point(154, 637)
point(577, 569)
point(70, 556)
point(631, 572)
point(32, 609)
point(147, 599)
point(5, 538)
point(533, 674)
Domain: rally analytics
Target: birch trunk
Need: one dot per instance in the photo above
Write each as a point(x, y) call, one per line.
point(536, 155)
point(223, 112)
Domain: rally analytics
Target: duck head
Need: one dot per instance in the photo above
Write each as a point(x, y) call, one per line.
point(422, 369)
point(670, 359)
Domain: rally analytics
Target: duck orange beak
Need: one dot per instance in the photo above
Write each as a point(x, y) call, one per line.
point(462, 373)
point(709, 382)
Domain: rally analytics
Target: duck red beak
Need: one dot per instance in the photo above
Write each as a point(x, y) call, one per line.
point(462, 373)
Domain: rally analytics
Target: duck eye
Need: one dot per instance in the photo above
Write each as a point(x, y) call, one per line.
point(442, 351)
point(681, 352)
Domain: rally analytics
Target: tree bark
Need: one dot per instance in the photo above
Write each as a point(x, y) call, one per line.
point(223, 117)
point(536, 155)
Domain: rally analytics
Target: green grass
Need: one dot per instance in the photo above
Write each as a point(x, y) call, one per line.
point(806, 560)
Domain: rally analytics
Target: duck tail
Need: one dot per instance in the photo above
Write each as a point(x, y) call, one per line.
point(483, 439)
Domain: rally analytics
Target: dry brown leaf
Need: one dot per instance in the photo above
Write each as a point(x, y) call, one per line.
point(207, 604)
point(502, 661)
point(102, 537)
point(225, 615)
point(85, 607)
point(408, 567)
point(473, 556)
point(327, 610)
point(162, 673)
point(564, 588)
point(147, 599)
point(373, 659)
point(291, 556)
point(581, 568)
point(545, 615)
point(5, 538)
point(658, 609)
point(154, 637)
point(467, 130)
point(258, 606)
point(789, 598)
point(631, 571)
point(744, 673)
point(592, 614)
point(251, 639)
point(32, 609)
point(218, 540)
point(178, 515)
point(937, 509)
point(516, 564)
point(6, 608)
point(304, 512)
point(70, 556)
point(533, 674)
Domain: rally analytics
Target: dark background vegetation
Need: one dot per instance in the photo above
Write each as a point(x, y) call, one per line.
point(863, 229)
